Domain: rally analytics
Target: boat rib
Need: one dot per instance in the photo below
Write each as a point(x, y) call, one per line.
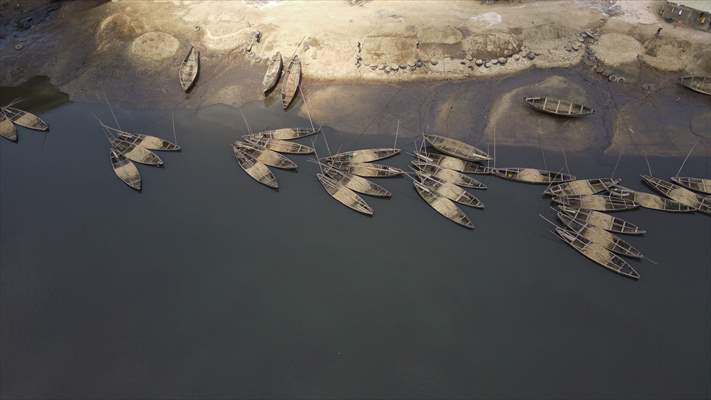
point(258, 171)
point(125, 170)
point(271, 77)
point(597, 202)
point(366, 170)
point(699, 84)
point(600, 236)
point(188, 71)
point(265, 156)
point(453, 163)
point(25, 119)
point(285, 133)
point(146, 141)
point(443, 206)
point(449, 190)
point(7, 128)
point(532, 175)
point(363, 155)
point(457, 148)
point(582, 186)
point(356, 183)
point(678, 193)
point(701, 185)
point(651, 201)
point(558, 107)
point(345, 196)
point(447, 175)
point(292, 78)
point(597, 253)
point(602, 220)
point(280, 146)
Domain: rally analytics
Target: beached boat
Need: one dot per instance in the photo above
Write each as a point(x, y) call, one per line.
point(265, 156)
point(447, 175)
point(597, 202)
point(532, 175)
point(344, 195)
point(363, 155)
point(443, 205)
point(292, 78)
point(449, 190)
point(678, 193)
point(257, 170)
point(366, 170)
point(558, 107)
point(649, 200)
point(602, 220)
point(7, 128)
point(581, 186)
point(146, 141)
point(356, 183)
point(188, 71)
point(125, 170)
point(453, 163)
point(280, 146)
point(25, 119)
point(701, 185)
point(700, 84)
point(597, 253)
point(599, 236)
point(456, 148)
point(285, 133)
point(271, 77)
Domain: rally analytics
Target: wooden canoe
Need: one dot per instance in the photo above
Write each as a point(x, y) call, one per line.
point(602, 220)
point(356, 183)
point(345, 196)
point(265, 156)
point(449, 190)
point(700, 84)
point(285, 133)
point(25, 119)
point(7, 128)
point(366, 170)
point(597, 253)
point(678, 193)
point(363, 155)
point(447, 175)
point(651, 201)
point(532, 175)
point(280, 146)
point(600, 236)
point(456, 148)
point(701, 185)
point(443, 205)
point(292, 79)
point(453, 163)
point(597, 202)
point(137, 154)
point(582, 186)
point(146, 141)
point(258, 171)
point(188, 71)
point(558, 107)
point(125, 170)
point(271, 77)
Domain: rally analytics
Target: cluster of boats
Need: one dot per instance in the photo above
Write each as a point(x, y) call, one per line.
point(11, 116)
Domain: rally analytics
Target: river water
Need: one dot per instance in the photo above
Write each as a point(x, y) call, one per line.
point(208, 285)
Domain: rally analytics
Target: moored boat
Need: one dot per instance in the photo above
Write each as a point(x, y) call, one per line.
point(188, 71)
point(363, 155)
point(7, 128)
point(701, 185)
point(443, 205)
point(278, 145)
point(125, 170)
point(447, 175)
point(558, 107)
point(599, 236)
point(449, 190)
point(265, 156)
point(457, 148)
point(146, 141)
point(597, 202)
point(366, 170)
point(257, 170)
point(453, 163)
point(700, 84)
point(678, 193)
point(356, 183)
point(532, 175)
point(597, 253)
point(581, 186)
point(138, 154)
point(25, 119)
point(292, 79)
point(271, 77)
point(344, 195)
point(602, 220)
point(649, 200)
point(285, 133)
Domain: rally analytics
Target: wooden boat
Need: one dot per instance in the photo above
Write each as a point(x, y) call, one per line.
point(265, 156)
point(678, 193)
point(129, 150)
point(701, 185)
point(25, 119)
point(447, 175)
point(363, 155)
point(651, 201)
point(366, 170)
point(356, 183)
point(558, 107)
point(189, 68)
point(292, 78)
point(285, 133)
point(597, 253)
point(7, 128)
point(453, 163)
point(600, 236)
point(532, 175)
point(449, 190)
point(146, 141)
point(597, 202)
point(581, 186)
point(443, 205)
point(456, 148)
point(126, 170)
point(271, 77)
point(602, 220)
point(260, 172)
point(700, 84)
point(280, 146)
point(344, 195)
